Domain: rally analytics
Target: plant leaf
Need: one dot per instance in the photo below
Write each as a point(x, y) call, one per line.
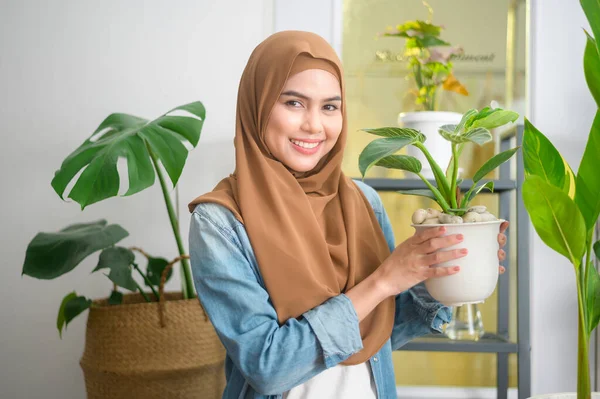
point(397, 132)
point(541, 158)
point(591, 8)
point(118, 260)
point(496, 118)
point(70, 307)
point(493, 163)
point(381, 148)
point(420, 193)
point(597, 249)
point(478, 135)
point(489, 186)
point(155, 268)
point(591, 67)
point(587, 188)
point(50, 255)
point(115, 298)
point(556, 218)
point(448, 132)
point(123, 135)
point(466, 116)
point(593, 298)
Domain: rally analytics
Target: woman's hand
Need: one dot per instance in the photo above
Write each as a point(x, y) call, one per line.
point(502, 242)
point(410, 262)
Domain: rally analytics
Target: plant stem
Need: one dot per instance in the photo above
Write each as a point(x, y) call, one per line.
point(583, 367)
point(188, 287)
point(440, 177)
point(440, 198)
point(454, 175)
point(142, 291)
point(148, 282)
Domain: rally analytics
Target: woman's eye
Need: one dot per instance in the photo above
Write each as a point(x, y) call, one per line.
point(293, 103)
point(330, 107)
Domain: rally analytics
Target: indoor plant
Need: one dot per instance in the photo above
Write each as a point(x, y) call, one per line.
point(428, 58)
point(480, 229)
point(564, 206)
point(114, 364)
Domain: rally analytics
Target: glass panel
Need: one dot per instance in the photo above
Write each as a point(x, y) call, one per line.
point(492, 68)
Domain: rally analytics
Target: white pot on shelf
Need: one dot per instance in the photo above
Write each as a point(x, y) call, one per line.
point(478, 273)
point(571, 395)
point(428, 122)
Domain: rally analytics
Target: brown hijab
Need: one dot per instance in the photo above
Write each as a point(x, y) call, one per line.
point(314, 234)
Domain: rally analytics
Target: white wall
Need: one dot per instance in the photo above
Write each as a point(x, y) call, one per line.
point(64, 66)
point(563, 109)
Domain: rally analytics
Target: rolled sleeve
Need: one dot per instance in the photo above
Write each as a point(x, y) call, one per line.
point(336, 326)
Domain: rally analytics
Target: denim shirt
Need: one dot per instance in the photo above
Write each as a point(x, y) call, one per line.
point(265, 359)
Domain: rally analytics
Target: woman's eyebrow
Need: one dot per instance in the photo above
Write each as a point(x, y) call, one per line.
point(300, 95)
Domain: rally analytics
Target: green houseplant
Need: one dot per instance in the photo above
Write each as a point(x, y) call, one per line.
point(113, 362)
point(429, 60)
point(478, 226)
point(564, 206)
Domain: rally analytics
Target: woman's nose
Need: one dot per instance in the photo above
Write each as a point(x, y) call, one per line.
point(312, 122)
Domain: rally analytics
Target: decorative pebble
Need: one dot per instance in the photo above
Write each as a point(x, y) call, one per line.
point(419, 216)
point(450, 219)
point(478, 209)
point(431, 221)
point(471, 217)
point(487, 217)
point(433, 213)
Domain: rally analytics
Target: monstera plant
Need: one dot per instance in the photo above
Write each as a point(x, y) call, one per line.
point(564, 206)
point(145, 145)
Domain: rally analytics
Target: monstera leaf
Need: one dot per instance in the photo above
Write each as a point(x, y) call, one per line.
point(140, 142)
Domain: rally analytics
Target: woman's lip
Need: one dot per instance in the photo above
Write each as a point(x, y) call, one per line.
point(307, 141)
point(306, 151)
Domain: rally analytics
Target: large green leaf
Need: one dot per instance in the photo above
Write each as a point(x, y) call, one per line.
point(593, 298)
point(420, 193)
point(587, 188)
point(70, 307)
point(591, 8)
point(401, 162)
point(495, 118)
point(555, 217)
point(381, 148)
point(118, 260)
point(541, 158)
point(122, 135)
point(50, 255)
point(397, 132)
point(478, 135)
point(155, 268)
point(493, 163)
point(591, 67)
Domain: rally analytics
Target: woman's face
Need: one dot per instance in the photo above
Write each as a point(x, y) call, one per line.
point(306, 120)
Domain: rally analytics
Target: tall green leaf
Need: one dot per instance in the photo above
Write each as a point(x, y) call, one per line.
point(587, 188)
point(591, 8)
point(70, 307)
point(421, 193)
point(401, 162)
point(122, 135)
point(591, 67)
point(118, 260)
point(493, 163)
point(556, 218)
point(541, 158)
point(50, 255)
point(593, 298)
point(404, 132)
point(381, 148)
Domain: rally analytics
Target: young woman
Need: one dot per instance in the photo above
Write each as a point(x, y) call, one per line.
point(294, 262)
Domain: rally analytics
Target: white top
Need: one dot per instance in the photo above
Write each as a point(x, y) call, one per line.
point(347, 382)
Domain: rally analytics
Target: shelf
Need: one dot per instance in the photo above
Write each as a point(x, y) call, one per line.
point(489, 343)
point(384, 184)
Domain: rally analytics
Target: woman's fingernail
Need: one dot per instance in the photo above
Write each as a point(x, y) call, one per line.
point(459, 236)
point(442, 229)
point(456, 268)
point(464, 251)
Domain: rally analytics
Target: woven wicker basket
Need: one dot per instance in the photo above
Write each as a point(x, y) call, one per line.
point(128, 354)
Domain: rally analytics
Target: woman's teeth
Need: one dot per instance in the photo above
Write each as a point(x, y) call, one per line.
point(305, 145)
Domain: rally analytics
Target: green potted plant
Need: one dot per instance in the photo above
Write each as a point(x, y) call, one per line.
point(479, 228)
point(429, 60)
point(564, 206)
point(144, 343)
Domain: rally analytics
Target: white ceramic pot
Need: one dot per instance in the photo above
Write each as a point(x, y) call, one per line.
point(595, 395)
point(428, 122)
point(478, 273)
